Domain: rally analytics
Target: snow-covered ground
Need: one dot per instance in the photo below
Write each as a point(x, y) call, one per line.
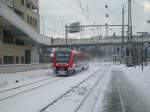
point(128, 91)
point(11, 80)
point(140, 79)
point(102, 88)
point(74, 100)
point(33, 101)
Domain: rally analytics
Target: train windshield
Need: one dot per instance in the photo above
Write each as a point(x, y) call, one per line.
point(62, 57)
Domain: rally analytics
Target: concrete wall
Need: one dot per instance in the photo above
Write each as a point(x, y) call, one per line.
point(24, 11)
point(12, 49)
point(21, 68)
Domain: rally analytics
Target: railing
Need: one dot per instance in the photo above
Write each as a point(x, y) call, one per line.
point(13, 18)
point(90, 41)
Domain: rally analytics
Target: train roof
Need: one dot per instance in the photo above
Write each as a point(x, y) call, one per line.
point(63, 49)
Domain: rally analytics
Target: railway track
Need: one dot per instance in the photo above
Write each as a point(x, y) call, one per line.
point(92, 89)
point(24, 85)
point(113, 99)
point(27, 87)
point(77, 85)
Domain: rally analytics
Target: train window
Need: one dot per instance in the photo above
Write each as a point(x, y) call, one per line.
point(28, 19)
point(76, 58)
point(62, 57)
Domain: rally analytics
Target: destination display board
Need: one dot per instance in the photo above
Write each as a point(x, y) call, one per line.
point(74, 27)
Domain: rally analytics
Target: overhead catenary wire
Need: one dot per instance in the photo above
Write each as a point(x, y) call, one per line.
point(53, 30)
point(85, 11)
point(76, 11)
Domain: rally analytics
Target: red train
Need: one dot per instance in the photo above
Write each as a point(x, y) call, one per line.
point(68, 61)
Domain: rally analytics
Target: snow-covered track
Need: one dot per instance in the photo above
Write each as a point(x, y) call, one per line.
point(84, 99)
point(76, 86)
point(27, 87)
point(24, 85)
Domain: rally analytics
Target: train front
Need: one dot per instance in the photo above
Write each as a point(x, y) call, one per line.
point(62, 61)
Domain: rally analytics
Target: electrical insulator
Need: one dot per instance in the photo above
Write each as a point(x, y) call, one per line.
point(106, 6)
point(107, 15)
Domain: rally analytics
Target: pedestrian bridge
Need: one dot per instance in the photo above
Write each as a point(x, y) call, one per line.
point(104, 42)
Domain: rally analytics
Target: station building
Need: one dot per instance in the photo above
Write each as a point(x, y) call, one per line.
point(20, 38)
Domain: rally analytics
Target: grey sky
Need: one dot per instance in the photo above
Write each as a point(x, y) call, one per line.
point(57, 13)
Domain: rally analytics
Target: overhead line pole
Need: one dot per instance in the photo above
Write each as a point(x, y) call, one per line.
point(142, 47)
point(66, 34)
point(130, 57)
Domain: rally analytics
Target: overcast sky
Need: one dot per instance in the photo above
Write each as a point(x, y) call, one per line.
point(57, 13)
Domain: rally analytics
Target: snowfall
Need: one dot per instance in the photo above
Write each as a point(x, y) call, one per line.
point(104, 87)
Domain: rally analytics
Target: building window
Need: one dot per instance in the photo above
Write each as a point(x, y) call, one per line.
point(22, 60)
point(17, 59)
point(0, 61)
point(0, 35)
point(7, 37)
point(8, 60)
point(22, 2)
point(19, 42)
point(28, 4)
point(30, 20)
point(36, 23)
point(33, 22)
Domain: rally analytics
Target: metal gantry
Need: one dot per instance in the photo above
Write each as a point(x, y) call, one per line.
point(130, 38)
point(142, 47)
point(87, 26)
